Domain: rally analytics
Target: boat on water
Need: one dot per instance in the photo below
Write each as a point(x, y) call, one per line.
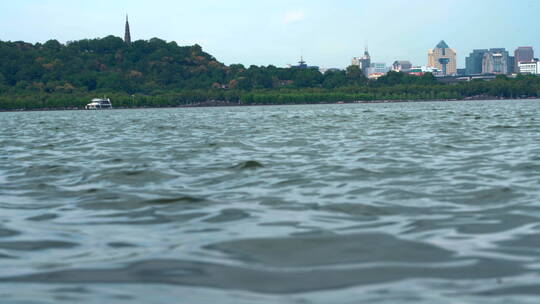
point(99, 104)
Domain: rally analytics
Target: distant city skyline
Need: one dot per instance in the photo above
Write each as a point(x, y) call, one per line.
point(327, 33)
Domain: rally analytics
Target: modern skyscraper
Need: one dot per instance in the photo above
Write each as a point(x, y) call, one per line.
point(363, 62)
point(127, 37)
point(496, 62)
point(473, 63)
point(489, 61)
point(523, 54)
point(512, 65)
point(443, 58)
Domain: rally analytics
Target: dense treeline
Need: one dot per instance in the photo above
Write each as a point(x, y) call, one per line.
point(523, 86)
point(158, 73)
point(144, 67)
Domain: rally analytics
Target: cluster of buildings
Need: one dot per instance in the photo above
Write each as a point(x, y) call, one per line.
point(499, 61)
point(375, 69)
point(442, 61)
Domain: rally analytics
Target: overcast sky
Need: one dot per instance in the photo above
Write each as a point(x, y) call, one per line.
point(327, 32)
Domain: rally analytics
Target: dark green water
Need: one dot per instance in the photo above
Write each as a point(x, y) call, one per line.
point(381, 203)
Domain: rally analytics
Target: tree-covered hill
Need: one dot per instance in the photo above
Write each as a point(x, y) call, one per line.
point(143, 67)
point(107, 63)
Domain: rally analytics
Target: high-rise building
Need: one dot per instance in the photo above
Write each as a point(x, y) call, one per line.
point(512, 65)
point(489, 61)
point(522, 54)
point(127, 37)
point(363, 62)
point(443, 58)
point(496, 62)
point(473, 63)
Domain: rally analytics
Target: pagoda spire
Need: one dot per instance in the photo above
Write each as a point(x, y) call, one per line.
point(127, 37)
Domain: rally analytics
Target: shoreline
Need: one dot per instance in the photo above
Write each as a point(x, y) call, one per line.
point(222, 104)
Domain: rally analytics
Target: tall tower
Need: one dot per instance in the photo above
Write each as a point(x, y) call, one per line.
point(443, 58)
point(523, 54)
point(496, 62)
point(365, 62)
point(127, 37)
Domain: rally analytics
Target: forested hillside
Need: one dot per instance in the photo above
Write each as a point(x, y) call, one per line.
point(108, 64)
point(142, 67)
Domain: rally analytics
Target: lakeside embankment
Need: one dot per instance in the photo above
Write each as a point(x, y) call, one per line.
point(216, 103)
point(521, 87)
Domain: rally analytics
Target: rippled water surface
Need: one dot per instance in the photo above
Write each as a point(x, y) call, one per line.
point(379, 203)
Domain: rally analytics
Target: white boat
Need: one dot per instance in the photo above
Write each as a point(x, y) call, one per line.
point(99, 104)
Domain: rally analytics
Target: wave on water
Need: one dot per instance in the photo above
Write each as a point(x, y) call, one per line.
point(373, 203)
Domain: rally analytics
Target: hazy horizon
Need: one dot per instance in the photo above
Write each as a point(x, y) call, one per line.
point(328, 34)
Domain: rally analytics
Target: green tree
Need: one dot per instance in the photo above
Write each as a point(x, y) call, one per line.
point(334, 79)
point(305, 78)
point(356, 76)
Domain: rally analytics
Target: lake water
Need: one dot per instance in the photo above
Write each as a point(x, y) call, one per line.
point(433, 202)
